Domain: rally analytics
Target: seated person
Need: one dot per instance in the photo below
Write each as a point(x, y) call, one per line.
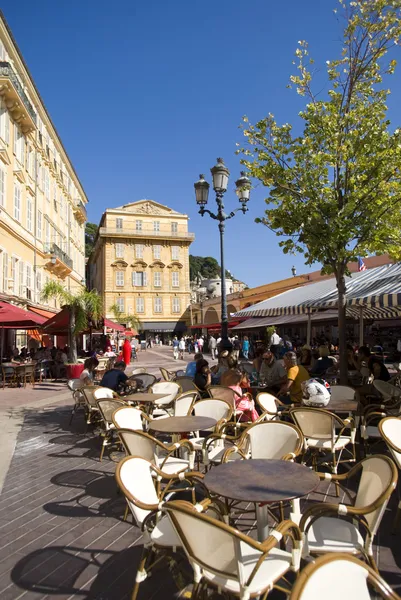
point(221, 366)
point(258, 360)
point(88, 373)
point(373, 363)
point(115, 379)
point(291, 391)
point(324, 362)
point(203, 376)
point(191, 366)
point(243, 401)
point(231, 372)
point(59, 367)
point(306, 359)
point(272, 372)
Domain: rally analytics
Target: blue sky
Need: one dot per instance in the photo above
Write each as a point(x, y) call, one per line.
point(146, 95)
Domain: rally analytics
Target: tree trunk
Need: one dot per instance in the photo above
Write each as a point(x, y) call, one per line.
point(72, 340)
point(342, 328)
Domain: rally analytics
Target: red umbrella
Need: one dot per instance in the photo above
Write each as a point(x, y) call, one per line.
point(13, 317)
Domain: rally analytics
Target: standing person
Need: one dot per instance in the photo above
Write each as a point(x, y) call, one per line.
point(181, 348)
point(175, 347)
point(236, 347)
point(126, 350)
point(200, 345)
point(212, 346)
point(245, 347)
point(149, 342)
point(275, 344)
point(196, 346)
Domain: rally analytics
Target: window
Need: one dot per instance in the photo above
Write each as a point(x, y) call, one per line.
point(21, 276)
point(2, 187)
point(138, 225)
point(139, 278)
point(29, 223)
point(120, 304)
point(5, 272)
point(46, 183)
point(176, 305)
point(174, 227)
point(138, 250)
point(119, 250)
point(157, 279)
point(120, 278)
point(157, 251)
point(29, 282)
point(175, 279)
point(4, 122)
point(158, 307)
point(175, 252)
point(140, 305)
point(17, 202)
point(156, 225)
point(119, 223)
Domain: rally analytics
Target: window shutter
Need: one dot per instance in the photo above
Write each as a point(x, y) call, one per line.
point(144, 279)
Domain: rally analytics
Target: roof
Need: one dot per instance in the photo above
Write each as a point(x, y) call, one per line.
point(132, 205)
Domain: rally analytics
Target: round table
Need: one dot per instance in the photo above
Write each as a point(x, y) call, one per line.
point(261, 481)
point(182, 424)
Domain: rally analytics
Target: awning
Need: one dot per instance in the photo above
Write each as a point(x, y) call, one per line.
point(14, 317)
point(165, 327)
point(112, 325)
point(48, 314)
point(34, 334)
point(256, 323)
point(58, 324)
point(216, 326)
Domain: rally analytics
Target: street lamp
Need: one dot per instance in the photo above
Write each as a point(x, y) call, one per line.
point(293, 271)
point(220, 175)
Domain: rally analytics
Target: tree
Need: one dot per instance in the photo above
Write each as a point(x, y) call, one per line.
point(125, 319)
point(91, 230)
point(84, 307)
point(207, 267)
point(334, 190)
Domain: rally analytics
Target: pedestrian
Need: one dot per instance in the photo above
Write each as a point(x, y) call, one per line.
point(245, 347)
point(181, 348)
point(212, 346)
point(175, 347)
point(200, 344)
point(275, 340)
point(127, 351)
point(236, 347)
point(149, 342)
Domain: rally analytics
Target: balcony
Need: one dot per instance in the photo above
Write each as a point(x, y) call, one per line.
point(80, 211)
point(15, 98)
point(58, 261)
point(146, 233)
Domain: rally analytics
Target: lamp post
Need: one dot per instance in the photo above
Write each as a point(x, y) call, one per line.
point(220, 175)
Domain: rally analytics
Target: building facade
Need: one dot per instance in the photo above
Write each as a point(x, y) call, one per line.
point(42, 202)
point(140, 262)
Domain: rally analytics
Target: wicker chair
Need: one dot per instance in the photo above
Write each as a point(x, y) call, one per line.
point(167, 375)
point(107, 406)
point(75, 386)
point(390, 430)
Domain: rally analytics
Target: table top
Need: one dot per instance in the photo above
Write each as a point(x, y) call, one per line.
point(261, 480)
point(144, 397)
point(339, 405)
point(182, 424)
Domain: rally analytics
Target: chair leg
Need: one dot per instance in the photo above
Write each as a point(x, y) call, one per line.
point(141, 574)
point(102, 450)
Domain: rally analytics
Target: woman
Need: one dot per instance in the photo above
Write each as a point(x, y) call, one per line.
point(126, 351)
point(243, 402)
point(306, 359)
point(88, 373)
point(203, 377)
point(245, 347)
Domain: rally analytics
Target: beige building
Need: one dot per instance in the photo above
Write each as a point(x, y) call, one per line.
point(140, 262)
point(42, 202)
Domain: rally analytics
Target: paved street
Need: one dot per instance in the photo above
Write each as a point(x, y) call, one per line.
point(61, 530)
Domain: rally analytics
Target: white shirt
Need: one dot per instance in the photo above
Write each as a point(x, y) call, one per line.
point(275, 339)
point(181, 344)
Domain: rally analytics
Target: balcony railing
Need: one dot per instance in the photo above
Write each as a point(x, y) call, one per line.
point(145, 232)
point(6, 71)
point(54, 250)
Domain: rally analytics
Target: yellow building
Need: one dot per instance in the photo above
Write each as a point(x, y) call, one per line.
point(42, 202)
point(140, 262)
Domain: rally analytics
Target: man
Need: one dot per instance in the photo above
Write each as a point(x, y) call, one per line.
point(181, 348)
point(191, 366)
point(212, 346)
point(272, 372)
point(275, 344)
point(236, 347)
point(115, 378)
point(59, 368)
point(291, 391)
point(200, 345)
point(175, 347)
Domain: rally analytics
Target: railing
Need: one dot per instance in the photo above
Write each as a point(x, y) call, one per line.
point(146, 232)
point(60, 254)
point(6, 70)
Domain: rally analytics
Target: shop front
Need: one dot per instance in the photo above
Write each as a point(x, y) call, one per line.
point(162, 331)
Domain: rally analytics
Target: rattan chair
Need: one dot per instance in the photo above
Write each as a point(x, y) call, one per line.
point(224, 558)
point(135, 477)
point(165, 405)
point(129, 417)
point(75, 386)
point(91, 409)
point(186, 383)
point(107, 407)
point(390, 405)
point(8, 376)
point(329, 528)
point(222, 392)
point(144, 381)
point(269, 406)
point(334, 576)
point(167, 375)
point(216, 409)
point(390, 430)
point(139, 370)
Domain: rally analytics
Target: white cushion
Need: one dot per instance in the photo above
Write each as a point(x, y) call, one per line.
point(273, 567)
point(326, 444)
point(164, 534)
point(329, 534)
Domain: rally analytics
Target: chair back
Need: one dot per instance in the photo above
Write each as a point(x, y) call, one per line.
point(167, 375)
point(267, 403)
point(87, 392)
point(325, 577)
point(102, 392)
point(127, 417)
point(390, 430)
point(183, 404)
point(273, 439)
point(342, 392)
point(170, 388)
point(134, 478)
point(180, 373)
point(387, 391)
point(137, 443)
point(75, 384)
point(138, 370)
point(315, 423)
point(107, 408)
point(186, 383)
point(377, 482)
point(144, 381)
point(222, 392)
point(214, 408)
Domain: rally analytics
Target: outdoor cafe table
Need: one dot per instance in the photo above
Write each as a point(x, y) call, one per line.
point(182, 424)
point(338, 405)
point(144, 398)
point(262, 482)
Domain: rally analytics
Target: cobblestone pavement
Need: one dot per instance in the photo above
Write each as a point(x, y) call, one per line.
point(61, 530)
